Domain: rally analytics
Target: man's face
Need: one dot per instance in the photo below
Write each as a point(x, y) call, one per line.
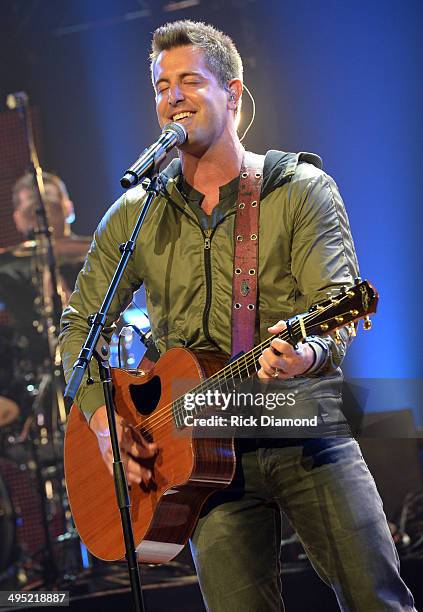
point(184, 84)
point(25, 216)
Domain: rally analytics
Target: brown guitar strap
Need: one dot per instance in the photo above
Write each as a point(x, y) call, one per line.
point(246, 235)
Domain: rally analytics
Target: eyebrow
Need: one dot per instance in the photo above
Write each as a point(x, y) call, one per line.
point(182, 75)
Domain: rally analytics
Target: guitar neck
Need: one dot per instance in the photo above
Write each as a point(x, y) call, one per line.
point(350, 305)
point(238, 370)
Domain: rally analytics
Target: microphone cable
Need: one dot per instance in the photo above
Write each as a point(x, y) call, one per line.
point(253, 114)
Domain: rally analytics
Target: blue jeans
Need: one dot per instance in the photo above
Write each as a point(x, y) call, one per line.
point(330, 498)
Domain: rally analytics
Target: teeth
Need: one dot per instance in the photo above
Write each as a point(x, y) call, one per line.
point(181, 116)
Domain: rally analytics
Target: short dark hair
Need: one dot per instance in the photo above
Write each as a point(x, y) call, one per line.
point(27, 182)
point(220, 53)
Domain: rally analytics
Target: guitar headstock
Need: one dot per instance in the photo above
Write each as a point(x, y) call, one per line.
point(350, 305)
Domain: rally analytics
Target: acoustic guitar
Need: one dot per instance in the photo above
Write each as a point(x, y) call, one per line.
point(187, 468)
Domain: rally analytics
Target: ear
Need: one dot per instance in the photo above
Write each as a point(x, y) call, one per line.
point(69, 211)
point(234, 93)
point(19, 221)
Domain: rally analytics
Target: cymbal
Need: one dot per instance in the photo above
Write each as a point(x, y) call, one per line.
point(72, 248)
point(67, 249)
point(9, 411)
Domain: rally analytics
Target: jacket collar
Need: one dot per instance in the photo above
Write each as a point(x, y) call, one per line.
point(169, 179)
point(279, 167)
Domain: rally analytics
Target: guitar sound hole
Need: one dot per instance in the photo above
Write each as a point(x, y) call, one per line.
point(145, 397)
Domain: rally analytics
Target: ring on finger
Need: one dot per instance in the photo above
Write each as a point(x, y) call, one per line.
point(276, 372)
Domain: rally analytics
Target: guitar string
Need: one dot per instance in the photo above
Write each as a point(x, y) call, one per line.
point(249, 359)
point(173, 410)
point(232, 378)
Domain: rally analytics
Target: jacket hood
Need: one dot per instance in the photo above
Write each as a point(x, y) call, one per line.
point(279, 166)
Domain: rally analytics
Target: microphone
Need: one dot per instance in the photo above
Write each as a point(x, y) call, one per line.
point(173, 134)
point(151, 355)
point(18, 99)
point(145, 337)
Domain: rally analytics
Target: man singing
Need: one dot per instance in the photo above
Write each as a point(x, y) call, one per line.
point(185, 258)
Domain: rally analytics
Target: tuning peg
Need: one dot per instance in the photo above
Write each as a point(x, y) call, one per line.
point(331, 297)
point(351, 330)
point(367, 324)
point(316, 308)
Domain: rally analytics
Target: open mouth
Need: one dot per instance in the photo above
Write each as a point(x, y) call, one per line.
point(182, 117)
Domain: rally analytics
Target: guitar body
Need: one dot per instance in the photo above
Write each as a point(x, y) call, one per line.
point(186, 471)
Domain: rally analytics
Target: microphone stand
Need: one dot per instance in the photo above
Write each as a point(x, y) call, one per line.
point(53, 302)
point(94, 345)
point(50, 311)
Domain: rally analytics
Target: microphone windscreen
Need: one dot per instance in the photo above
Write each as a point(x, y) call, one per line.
point(178, 130)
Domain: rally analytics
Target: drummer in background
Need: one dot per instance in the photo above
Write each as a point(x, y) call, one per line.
point(69, 249)
point(22, 337)
point(59, 206)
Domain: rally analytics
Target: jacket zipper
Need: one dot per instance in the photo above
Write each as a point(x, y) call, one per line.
point(207, 239)
point(208, 235)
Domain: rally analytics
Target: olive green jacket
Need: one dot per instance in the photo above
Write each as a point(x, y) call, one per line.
point(185, 260)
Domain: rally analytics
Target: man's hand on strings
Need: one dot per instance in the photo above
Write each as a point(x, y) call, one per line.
point(133, 447)
point(281, 360)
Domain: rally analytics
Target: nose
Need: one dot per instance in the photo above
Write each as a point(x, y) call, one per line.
point(174, 95)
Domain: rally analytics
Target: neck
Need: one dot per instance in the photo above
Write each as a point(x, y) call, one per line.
point(217, 166)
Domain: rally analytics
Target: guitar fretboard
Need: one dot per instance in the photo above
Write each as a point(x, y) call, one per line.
point(350, 305)
point(231, 376)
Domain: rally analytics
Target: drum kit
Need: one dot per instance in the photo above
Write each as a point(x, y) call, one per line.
point(38, 540)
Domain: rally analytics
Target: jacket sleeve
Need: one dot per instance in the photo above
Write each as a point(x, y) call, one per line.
point(90, 290)
point(323, 254)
